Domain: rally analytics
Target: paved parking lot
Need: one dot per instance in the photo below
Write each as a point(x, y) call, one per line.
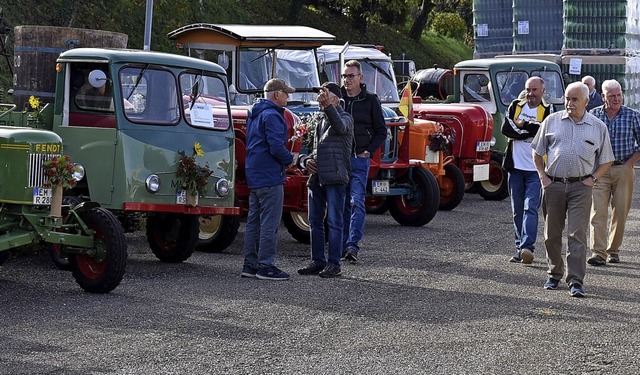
point(441, 299)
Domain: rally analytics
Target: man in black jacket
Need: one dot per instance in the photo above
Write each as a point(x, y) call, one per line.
point(330, 167)
point(369, 132)
point(521, 124)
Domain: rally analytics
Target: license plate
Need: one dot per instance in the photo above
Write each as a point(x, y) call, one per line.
point(181, 197)
point(380, 187)
point(42, 196)
point(483, 146)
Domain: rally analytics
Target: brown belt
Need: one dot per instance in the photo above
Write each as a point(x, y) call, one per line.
point(567, 180)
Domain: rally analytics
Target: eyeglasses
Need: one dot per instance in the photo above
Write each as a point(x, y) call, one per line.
point(286, 93)
point(348, 76)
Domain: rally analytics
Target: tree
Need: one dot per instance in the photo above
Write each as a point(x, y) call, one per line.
point(295, 7)
point(420, 22)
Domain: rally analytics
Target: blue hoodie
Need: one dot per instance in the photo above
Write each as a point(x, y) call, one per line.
point(267, 155)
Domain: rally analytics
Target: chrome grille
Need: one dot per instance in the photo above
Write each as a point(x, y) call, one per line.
point(36, 174)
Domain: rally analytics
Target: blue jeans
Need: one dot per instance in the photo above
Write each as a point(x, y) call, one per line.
point(263, 220)
point(329, 199)
point(525, 190)
point(354, 211)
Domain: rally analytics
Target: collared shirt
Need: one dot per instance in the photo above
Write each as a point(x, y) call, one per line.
point(573, 149)
point(624, 131)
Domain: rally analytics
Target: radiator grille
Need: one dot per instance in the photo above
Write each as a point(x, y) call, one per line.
point(36, 174)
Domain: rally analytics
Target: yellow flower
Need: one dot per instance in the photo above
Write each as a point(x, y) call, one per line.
point(34, 102)
point(198, 149)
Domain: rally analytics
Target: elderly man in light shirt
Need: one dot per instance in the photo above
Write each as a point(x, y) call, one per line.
point(578, 151)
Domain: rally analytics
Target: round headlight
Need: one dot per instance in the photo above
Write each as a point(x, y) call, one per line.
point(78, 172)
point(222, 187)
point(153, 183)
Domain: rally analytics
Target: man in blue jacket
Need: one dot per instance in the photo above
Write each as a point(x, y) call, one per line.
point(265, 166)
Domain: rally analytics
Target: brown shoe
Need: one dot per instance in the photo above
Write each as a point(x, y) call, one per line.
point(527, 256)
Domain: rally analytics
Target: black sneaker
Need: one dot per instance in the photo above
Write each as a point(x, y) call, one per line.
point(575, 290)
point(271, 273)
point(596, 260)
point(248, 271)
point(351, 256)
point(613, 258)
point(312, 268)
point(331, 270)
point(551, 284)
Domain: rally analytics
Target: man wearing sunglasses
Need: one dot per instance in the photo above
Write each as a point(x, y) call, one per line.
point(369, 133)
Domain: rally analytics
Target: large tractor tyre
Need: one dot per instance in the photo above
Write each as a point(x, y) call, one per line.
point(217, 232)
point(376, 205)
point(61, 261)
point(4, 256)
point(495, 188)
point(419, 206)
point(104, 271)
point(451, 188)
point(297, 224)
point(172, 237)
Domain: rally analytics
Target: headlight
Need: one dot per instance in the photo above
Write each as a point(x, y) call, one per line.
point(222, 187)
point(78, 172)
point(152, 183)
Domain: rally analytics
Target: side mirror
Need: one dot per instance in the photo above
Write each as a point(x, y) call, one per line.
point(97, 78)
point(223, 61)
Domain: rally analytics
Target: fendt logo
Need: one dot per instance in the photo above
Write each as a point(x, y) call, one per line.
point(47, 148)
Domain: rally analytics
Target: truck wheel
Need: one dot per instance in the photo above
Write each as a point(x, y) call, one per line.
point(217, 232)
point(495, 188)
point(61, 261)
point(419, 206)
point(297, 224)
point(172, 237)
point(376, 205)
point(104, 272)
point(451, 188)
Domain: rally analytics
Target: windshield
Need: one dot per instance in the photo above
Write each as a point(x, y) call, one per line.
point(297, 67)
point(150, 95)
point(378, 75)
point(553, 85)
point(204, 100)
point(510, 85)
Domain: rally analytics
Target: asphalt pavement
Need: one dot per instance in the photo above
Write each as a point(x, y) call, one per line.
point(439, 299)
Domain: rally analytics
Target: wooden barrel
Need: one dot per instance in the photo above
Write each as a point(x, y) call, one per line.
point(36, 49)
point(434, 82)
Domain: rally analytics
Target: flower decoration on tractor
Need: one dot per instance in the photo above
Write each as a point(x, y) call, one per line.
point(59, 171)
point(194, 176)
point(441, 141)
point(37, 107)
point(308, 126)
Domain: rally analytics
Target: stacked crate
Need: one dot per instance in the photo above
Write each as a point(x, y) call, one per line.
point(537, 26)
point(492, 27)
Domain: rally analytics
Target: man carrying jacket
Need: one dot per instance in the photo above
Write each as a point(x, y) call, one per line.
point(369, 132)
point(520, 125)
point(266, 164)
point(330, 167)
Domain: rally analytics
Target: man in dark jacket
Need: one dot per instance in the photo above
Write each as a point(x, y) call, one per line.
point(266, 164)
point(369, 131)
point(520, 125)
point(330, 167)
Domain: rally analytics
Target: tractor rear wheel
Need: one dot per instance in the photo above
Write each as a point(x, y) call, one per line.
point(451, 188)
point(421, 204)
point(104, 271)
point(172, 237)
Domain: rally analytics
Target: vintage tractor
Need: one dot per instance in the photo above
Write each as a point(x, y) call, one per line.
point(89, 235)
point(252, 54)
point(491, 84)
point(131, 119)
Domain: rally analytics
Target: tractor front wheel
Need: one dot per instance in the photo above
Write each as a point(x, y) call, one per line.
point(297, 224)
point(172, 237)
point(451, 188)
point(495, 188)
point(217, 232)
point(421, 204)
point(376, 205)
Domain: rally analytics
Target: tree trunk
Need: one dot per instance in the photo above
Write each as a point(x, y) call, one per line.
point(360, 14)
point(421, 20)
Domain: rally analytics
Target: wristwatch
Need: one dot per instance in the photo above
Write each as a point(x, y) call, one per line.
point(594, 179)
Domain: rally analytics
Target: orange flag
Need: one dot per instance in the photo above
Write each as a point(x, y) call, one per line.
point(406, 103)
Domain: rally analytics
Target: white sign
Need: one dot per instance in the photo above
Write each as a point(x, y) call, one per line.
point(483, 30)
point(480, 172)
point(575, 66)
point(523, 27)
point(201, 115)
